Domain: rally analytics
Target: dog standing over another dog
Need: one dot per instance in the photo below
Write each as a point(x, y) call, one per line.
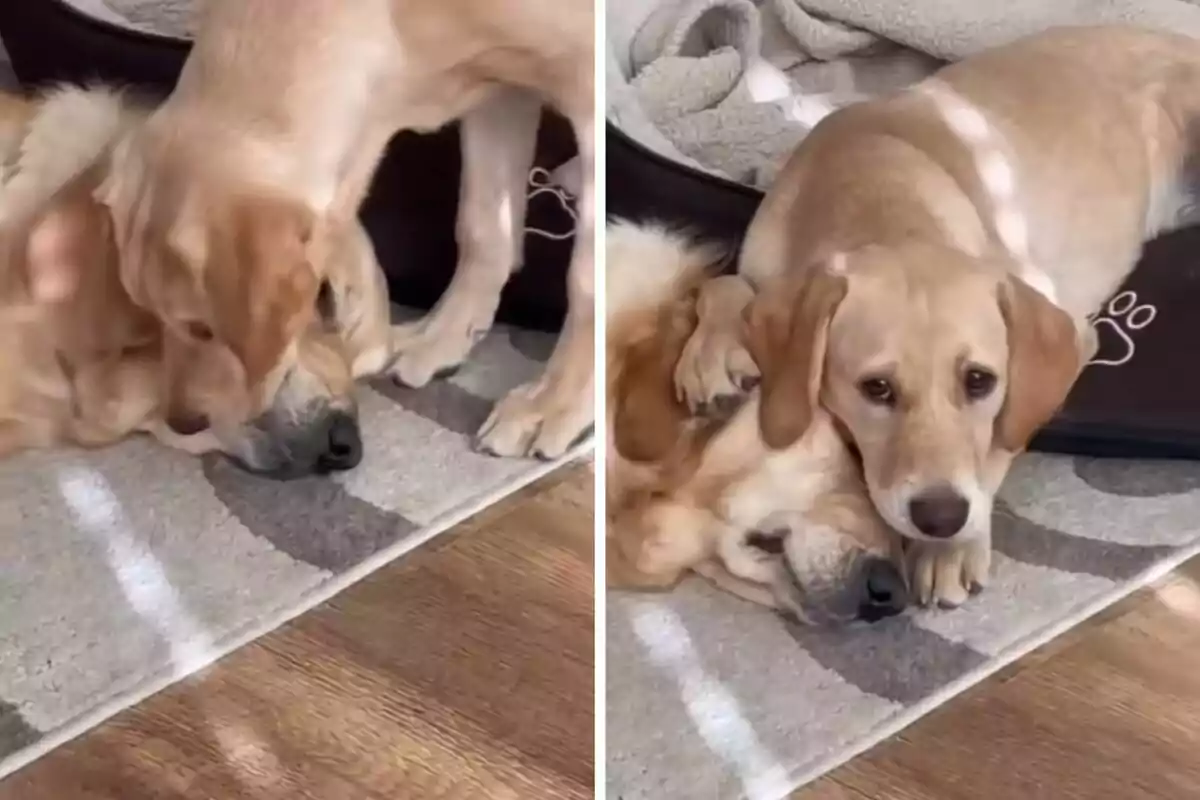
point(85, 364)
point(263, 153)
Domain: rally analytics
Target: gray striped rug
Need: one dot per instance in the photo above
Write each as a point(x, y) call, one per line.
point(124, 569)
point(709, 697)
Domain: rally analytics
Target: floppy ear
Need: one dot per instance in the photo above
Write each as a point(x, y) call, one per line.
point(160, 224)
point(262, 279)
point(787, 332)
point(649, 416)
point(121, 192)
point(1044, 359)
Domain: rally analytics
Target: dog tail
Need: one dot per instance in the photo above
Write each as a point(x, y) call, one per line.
point(648, 265)
point(71, 129)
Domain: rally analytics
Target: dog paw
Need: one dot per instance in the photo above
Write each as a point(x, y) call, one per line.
point(537, 420)
point(715, 372)
point(1114, 326)
point(423, 351)
point(947, 574)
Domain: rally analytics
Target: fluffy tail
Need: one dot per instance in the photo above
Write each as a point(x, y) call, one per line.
point(648, 265)
point(71, 129)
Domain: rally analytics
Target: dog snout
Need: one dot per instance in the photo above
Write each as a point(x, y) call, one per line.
point(940, 512)
point(342, 448)
point(884, 591)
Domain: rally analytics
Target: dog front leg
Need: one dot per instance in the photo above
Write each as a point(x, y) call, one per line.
point(498, 142)
point(946, 574)
point(547, 417)
point(715, 370)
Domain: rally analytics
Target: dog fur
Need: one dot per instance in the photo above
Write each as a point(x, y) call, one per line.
point(86, 363)
point(950, 242)
point(270, 139)
point(687, 493)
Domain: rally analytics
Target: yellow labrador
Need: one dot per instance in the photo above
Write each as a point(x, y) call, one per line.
point(87, 361)
point(949, 243)
point(687, 493)
point(261, 157)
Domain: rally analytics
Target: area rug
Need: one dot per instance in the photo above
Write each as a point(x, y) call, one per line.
point(712, 697)
point(125, 569)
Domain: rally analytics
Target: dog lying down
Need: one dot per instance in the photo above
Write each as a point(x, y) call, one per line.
point(84, 361)
point(947, 245)
point(790, 528)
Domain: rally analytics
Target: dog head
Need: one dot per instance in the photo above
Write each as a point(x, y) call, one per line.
point(838, 563)
point(669, 475)
point(241, 282)
point(938, 367)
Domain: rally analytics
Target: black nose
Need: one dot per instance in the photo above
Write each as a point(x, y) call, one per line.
point(885, 594)
point(940, 512)
point(343, 446)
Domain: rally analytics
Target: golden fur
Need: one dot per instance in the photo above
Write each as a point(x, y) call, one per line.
point(950, 241)
point(229, 201)
point(685, 493)
point(91, 358)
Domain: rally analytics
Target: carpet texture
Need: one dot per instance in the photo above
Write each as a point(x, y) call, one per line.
point(126, 568)
point(370, 697)
point(712, 697)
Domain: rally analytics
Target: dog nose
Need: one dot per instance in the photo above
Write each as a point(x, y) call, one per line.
point(343, 445)
point(940, 512)
point(884, 590)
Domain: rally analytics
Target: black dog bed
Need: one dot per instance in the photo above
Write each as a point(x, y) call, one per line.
point(411, 208)
point(1136, 398)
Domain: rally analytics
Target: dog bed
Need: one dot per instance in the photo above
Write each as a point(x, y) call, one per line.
point(411, 208)
point(706, 97)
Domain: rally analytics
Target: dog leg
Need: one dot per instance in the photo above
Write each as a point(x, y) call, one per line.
point(547, 417)
point(946, 574)
point(715, 370)
point(498, 141)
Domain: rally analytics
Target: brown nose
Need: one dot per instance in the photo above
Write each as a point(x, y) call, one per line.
point(939, 512)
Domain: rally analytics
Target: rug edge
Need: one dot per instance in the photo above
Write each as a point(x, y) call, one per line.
point(897, 723)
point(320, 593)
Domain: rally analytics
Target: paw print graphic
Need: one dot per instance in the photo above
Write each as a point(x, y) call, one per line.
point(1115, 325)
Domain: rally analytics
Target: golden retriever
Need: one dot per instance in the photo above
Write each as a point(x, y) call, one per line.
point(228, 202)
point(87, 362)
point(947, 245)
point(689, 493)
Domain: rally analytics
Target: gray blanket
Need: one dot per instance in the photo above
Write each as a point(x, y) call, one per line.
point(731, 86)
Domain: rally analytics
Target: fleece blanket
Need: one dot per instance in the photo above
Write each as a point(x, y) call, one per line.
point(731, 86)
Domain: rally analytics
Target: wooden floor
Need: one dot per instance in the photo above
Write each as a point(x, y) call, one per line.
point(465, 671)
point(461, 671)
point(1111, 711)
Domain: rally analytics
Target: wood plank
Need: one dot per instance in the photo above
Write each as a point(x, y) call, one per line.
point(1112, 709)
point(464, 670)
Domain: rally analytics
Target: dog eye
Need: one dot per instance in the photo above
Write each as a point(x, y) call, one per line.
point(199, 331)
point(978, 383)
point(326, 303)
point(878, 391)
